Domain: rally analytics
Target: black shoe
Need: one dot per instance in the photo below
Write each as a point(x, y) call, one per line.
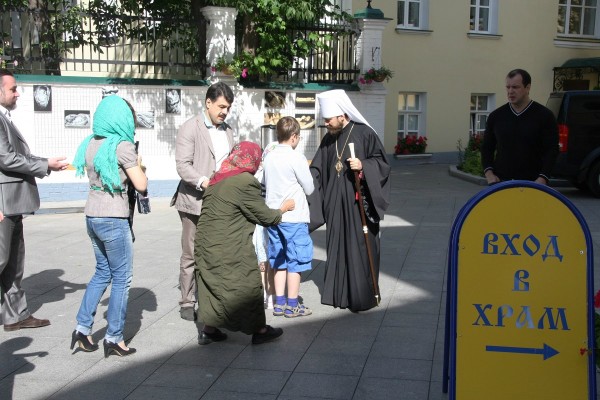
point(84, 342)
point(187, 313)
point(115, 348)
point(270, 334)
point(206, 338)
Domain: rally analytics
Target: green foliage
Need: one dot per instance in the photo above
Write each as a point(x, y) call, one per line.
point(469, 158)
point(267, 28)
point(275, 47)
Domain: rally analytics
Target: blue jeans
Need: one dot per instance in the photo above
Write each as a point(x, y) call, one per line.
point(113, 248)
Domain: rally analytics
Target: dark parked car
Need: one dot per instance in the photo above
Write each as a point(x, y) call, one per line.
point(578, 117)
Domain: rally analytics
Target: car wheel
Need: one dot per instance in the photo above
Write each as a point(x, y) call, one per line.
point(593, 179)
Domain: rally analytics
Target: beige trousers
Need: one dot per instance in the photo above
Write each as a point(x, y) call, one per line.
point(187, 277)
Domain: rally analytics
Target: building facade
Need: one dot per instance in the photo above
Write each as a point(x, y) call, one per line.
point(451, 58)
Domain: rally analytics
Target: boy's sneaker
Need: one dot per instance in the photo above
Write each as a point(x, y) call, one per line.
point(270, 334)
point(279, 309)
point(299, 311)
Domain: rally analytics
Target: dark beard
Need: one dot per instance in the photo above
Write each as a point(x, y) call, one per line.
point(335, 132)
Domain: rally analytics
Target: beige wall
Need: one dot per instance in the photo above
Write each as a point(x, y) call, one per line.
point(448, 66)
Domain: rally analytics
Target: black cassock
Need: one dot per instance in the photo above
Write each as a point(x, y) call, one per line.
point(348, 282)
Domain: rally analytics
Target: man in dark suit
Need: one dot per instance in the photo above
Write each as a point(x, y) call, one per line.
point(18, 195)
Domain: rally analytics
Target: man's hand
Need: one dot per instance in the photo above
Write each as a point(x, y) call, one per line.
point(541, 180)
point(355, 164)
point(57, 164)
point(491, 177)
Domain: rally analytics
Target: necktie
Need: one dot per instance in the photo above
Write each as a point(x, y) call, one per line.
point(8, 115)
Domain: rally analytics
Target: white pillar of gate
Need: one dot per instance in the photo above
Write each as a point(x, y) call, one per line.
point(220, 34)
point(368, 55)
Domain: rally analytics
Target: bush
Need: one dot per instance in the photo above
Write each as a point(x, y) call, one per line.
point(469, 159)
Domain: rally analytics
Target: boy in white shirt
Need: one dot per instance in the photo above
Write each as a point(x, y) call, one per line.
point(290, 248)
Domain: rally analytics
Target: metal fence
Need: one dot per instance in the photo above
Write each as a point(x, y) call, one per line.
point(21, 50)
point(335, 63)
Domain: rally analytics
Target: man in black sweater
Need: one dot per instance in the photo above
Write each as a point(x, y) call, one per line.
point(521, 137)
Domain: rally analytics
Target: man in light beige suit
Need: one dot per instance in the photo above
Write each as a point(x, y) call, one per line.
point(203, 142)
point(18, 196)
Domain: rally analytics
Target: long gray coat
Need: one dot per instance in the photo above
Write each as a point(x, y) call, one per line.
point(230, 292)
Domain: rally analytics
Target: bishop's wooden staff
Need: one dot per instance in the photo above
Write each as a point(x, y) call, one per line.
point(363, 219)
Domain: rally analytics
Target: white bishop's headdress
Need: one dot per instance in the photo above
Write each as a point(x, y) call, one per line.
point(336, 102)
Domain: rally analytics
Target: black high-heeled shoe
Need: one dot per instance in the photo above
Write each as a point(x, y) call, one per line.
point(84, 342)
point(115, 348)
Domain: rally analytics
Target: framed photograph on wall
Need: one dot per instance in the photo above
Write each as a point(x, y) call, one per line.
point(274, 99)
point(42, 98)
point(108, 90)
point(173, 101)
point(305, 100)
point(77, 118)
point(145, 119)
point(306, 121)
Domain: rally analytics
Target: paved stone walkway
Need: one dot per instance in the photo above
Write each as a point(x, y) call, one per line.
point(394, 351)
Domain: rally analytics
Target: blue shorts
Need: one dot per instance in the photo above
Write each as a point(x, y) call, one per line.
point(290, 247)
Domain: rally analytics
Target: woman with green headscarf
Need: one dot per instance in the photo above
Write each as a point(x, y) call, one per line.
point(112, 164)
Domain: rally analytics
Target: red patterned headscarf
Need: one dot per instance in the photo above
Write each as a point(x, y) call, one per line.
point(244, 157)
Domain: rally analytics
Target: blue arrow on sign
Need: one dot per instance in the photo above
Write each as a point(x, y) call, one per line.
point(546, 351)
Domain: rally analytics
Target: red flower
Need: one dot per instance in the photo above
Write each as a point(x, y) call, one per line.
point(597, 299)
point(411, 144)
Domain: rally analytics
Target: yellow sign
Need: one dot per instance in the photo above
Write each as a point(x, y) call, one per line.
point(520, 297)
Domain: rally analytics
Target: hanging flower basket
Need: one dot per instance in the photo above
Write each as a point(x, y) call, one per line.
point(377, 75)
point(227, 70)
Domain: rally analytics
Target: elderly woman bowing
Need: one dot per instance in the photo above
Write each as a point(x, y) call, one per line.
point(229, 284)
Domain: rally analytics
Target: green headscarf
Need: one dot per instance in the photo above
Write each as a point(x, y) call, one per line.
point(114, 121)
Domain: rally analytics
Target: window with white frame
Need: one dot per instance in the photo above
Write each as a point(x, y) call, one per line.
point(481, 106)
point(344, 5)
point(483, 16)
point(413, 14)
point(578, 18)
point(411, 107)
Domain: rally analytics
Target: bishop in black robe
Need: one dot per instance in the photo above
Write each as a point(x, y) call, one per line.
point(348, 281)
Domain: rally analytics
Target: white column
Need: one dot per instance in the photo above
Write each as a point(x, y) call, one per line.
point(369, 44)
point(220, 33)
point(369, 55)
